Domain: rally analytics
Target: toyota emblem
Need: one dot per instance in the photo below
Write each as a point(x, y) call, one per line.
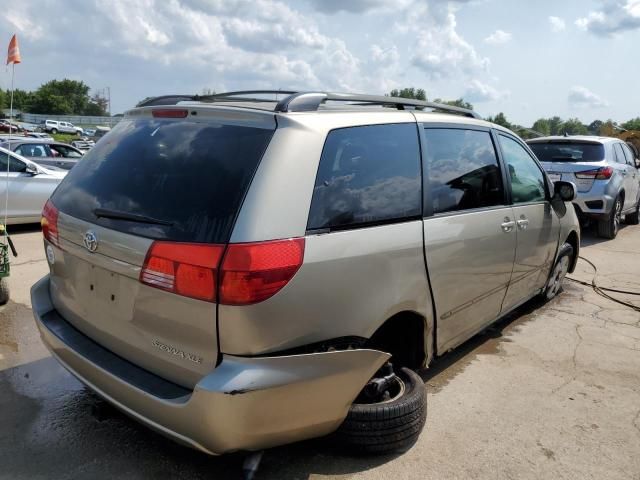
point(90, 241)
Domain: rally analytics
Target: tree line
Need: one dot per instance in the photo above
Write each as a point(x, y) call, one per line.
point(541, 127)
point(57, 97)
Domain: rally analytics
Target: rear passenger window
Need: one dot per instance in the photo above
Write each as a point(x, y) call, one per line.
point(629, 155)
point(619, 155)
point(367, 175)
point(462, 170)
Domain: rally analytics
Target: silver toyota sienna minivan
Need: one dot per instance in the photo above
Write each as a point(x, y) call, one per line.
point(238, 272)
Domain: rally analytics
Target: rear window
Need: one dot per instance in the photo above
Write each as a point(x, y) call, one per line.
point(568, 151)
point(190, 176)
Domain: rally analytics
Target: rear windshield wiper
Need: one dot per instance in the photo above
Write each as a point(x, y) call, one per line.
point(133, 217)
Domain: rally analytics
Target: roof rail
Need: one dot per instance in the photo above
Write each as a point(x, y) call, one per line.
point(308, 101)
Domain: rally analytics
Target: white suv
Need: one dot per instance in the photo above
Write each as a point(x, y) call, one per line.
point(54, 126)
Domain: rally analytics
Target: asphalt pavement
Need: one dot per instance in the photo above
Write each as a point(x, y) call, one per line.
point(552, 391)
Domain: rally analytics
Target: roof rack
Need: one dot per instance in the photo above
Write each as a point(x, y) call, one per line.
point(308, 101)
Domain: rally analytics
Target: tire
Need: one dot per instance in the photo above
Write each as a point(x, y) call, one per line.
point(608, 228)
point(4, 291)
point(388, 427)
point(633, 218)
point(54, 131)
point(560, 269)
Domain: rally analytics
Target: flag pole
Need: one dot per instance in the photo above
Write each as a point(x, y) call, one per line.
point(6, 196)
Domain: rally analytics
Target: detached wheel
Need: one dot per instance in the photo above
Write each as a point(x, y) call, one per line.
point(560, 269)
point(4, 291)
point(632, 218)
point(608, 228)
point(391, 424)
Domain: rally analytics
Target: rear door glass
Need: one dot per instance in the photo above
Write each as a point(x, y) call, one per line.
point(190, 175)
point(462, 170)
point(367, 175)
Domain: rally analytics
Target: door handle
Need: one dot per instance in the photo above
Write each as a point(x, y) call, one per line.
point(624, 173)
point(523, 223)
point(507, 225)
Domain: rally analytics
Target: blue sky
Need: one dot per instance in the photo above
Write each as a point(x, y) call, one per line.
point(527, 59)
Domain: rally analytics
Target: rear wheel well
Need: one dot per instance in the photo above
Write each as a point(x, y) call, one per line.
point(403, 336)
point(572, 240)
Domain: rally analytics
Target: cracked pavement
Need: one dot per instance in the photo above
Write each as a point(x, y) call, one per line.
point(552, 391)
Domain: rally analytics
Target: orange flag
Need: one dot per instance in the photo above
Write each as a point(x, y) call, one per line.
point(13, 54)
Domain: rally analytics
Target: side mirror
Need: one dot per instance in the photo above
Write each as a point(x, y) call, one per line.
point(32, 170)
point(566, 191)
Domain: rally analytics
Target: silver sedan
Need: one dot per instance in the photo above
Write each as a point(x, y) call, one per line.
point(30, 185)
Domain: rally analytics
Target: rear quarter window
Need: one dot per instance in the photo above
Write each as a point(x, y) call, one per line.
point(367, 175)
point(191, 175)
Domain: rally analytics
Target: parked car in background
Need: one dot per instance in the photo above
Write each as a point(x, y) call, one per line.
point(40, 135)
point(30, 185)
point(100, 132)
point(55, 126)
point(197, 287)
point(89, 132)
point(83, 145)
point(46, 153)
point(605, 171)
point(10, 127)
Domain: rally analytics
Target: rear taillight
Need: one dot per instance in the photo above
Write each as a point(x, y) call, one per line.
point(250, 272)
point(169, 113)
point(253, 272)
point(603, 173)
point(188, 269)
point(49, 222)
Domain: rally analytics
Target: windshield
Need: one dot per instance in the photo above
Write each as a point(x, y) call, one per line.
point(568, 151)
point(191, 175)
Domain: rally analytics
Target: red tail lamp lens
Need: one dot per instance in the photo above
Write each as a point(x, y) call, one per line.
point(49, 222)
point(188, 269)
point(253, 272)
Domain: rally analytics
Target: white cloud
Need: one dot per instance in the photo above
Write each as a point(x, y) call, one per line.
point(582, 97)
point(557, 24)
point(478, 92)
point(387, 55)
point(614, 17)
point(357, 6)
point(440, 51)
point(498, 37)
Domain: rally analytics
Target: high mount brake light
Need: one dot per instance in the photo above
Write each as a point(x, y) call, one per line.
point(169, 113)
point(603, 173)
point(249, 272)
point(49, 222)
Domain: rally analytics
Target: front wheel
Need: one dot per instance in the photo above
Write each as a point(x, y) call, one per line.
point(560, 269)
point(389, 424)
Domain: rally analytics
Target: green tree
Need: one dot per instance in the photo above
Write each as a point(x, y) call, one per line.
point(555, 125)
point(60, 97)
point(459, 102)
point(417, 94)
point(633, 124)
point(595, 126)
point(500, 119)
point(542, 126)
point(574, 126)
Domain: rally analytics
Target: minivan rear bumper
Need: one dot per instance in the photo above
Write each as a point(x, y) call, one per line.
point(244, 404)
